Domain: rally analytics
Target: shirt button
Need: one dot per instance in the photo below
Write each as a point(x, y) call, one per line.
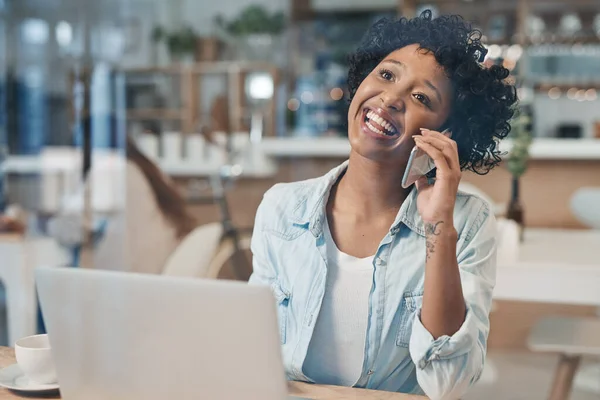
point(395, 230)
point(370, 372)
point(379, 262)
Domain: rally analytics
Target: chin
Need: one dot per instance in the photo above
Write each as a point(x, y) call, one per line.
point(384, 153)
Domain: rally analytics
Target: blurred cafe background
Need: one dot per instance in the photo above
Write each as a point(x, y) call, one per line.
point(140, 135)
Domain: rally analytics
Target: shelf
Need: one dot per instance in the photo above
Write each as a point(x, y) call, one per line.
point(528, 43)
point(189, 88)
point(337, 147)
point(230, 67)
point(154, 114)
point(566, 85)
point(204, 67)
point(172, 69)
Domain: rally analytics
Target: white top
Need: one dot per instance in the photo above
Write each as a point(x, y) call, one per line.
point(336, 351)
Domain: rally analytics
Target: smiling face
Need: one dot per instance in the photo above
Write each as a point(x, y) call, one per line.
point(407, 91)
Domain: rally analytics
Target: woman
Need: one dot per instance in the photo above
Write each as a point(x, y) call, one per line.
point(142, 235)
point(378, 286)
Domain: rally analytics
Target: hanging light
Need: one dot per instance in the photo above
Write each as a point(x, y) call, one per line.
point(293, 104)
point(554, 93)
point(591, 94)
point(514, 52)
point(570, 24)
point(494, 51)
point(63, 33)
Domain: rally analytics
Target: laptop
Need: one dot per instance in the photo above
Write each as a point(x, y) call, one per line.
point(118, 335)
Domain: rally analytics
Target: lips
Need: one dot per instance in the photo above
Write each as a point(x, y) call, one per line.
point(379, 123)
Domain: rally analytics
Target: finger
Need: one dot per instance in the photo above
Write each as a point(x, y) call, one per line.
point(442, 136)
point(446, 146)
point(436, 155)
point(445, 134)
point(449, 150)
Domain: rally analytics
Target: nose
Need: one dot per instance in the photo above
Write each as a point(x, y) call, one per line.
point(392, 102)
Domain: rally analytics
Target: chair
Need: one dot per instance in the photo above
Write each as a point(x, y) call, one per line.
point(194, 254)
point(572, 338)
point(585, 206)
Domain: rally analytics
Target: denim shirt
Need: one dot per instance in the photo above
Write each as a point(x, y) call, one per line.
point(289, 255)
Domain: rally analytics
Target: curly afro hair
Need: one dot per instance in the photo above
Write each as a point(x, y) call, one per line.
point(483, 102)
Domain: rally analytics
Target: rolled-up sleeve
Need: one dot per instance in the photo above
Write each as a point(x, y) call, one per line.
point(446, 367)
point(262, 270)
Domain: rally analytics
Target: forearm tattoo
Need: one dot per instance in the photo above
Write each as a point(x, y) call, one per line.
point(431, 231)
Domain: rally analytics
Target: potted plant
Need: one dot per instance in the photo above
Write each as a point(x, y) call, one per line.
point(253, 32)
point(517, 161)
point(180, 43)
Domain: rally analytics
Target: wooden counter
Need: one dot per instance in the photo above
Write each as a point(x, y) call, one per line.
point(7, 357)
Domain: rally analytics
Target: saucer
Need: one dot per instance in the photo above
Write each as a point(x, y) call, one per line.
point(13, 378)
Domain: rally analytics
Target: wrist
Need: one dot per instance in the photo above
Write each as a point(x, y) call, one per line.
point(446, 219)
point(439, 227)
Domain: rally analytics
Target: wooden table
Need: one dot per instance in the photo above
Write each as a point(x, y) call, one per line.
point(7, 357)
point(568, 246)
point(554, 266)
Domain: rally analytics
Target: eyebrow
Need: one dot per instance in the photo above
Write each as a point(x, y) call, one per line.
point(427, 81)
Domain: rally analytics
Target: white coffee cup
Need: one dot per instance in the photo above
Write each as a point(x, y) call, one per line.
point(34, 357)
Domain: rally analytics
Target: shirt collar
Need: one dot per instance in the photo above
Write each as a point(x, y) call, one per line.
point(314, 212)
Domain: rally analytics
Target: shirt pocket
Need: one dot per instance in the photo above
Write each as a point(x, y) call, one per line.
point(282, 298)
point(411, 304)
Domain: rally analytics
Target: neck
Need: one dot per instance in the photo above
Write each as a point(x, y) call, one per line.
point(372, 187)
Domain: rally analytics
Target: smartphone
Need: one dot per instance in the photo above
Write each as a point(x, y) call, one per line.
point(419, 164)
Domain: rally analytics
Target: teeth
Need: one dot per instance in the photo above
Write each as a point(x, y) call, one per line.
point(382, 122)
point(371, 127)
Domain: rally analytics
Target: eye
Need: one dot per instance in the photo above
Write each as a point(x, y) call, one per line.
point(423, 99)
point(386, 74)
